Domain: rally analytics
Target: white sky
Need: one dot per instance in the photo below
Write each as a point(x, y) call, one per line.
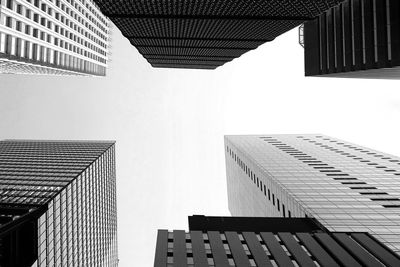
point(169, 125)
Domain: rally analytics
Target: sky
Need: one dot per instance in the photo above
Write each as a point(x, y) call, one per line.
point(169, 125)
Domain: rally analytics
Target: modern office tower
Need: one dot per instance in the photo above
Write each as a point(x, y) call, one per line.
point(344, 186)
point(57, 203)
point(358, 38)
point(60, 37)
point(287, 242)
point(205, 34)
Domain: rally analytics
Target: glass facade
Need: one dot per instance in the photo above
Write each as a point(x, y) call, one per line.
point(75, 181)
point(344, 186)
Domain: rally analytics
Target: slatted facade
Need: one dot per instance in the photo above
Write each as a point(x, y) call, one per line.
point(205, 33)
point(253, 248)
point(53, 193)
point(358, 38)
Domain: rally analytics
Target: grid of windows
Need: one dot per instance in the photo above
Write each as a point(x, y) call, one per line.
point(75, 181)
point(344, 186)
point(206, 34)
point(63, 37)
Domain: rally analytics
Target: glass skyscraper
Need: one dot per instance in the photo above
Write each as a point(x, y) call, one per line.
point(57, 203)
point(346, 187)
point(59, 37)
point(205, 34)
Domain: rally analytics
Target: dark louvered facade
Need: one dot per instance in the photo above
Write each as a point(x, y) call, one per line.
point(286, 242)
point(205, 34)
point(57, 204)
point(358, 38)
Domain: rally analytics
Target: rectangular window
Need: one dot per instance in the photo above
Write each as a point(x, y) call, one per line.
point(19, 26)
point(269, 194)
point(9, 22)
point(19, 9)
point(273, 199)
point(283, 210)
point(10, 4)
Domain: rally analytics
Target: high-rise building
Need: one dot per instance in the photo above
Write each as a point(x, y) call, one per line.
point(205, 34)
point(57, 203)
point(358, 38)
point(60, 37)
point(344, 186)
point(287, 242)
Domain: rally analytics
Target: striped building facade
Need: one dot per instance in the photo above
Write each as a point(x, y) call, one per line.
point(58, 37)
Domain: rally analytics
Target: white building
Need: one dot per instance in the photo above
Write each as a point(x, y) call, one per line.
point(344, 186)
point(62, 37)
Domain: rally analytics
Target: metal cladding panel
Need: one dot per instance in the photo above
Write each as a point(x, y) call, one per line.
point(179, 248)
point(295, 249)
point(160, 259)
point(276, 250)
point(259, 255)
point(361, 254)
point(394, 32)
point(238, 253)
point(198, 247)
point(221, 43)
point(304, 8)
point(357, 34)
point(217, 249)
point(316, 250)
point(204, 28)
point(338, 252)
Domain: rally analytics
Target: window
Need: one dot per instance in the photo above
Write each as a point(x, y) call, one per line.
point(19, 9)
point(19, 26)
point(10, 4)
point(9, 22)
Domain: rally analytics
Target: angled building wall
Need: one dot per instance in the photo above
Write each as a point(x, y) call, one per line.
point(344, 186)
point(53, 37)
point(205, 34)
point(231, 241)
point(358, 38)
point(66, 190)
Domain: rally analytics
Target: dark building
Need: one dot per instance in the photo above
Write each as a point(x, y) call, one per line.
point(251, 241)
point(57, 203)
point(358, 38)
point(205, 34)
